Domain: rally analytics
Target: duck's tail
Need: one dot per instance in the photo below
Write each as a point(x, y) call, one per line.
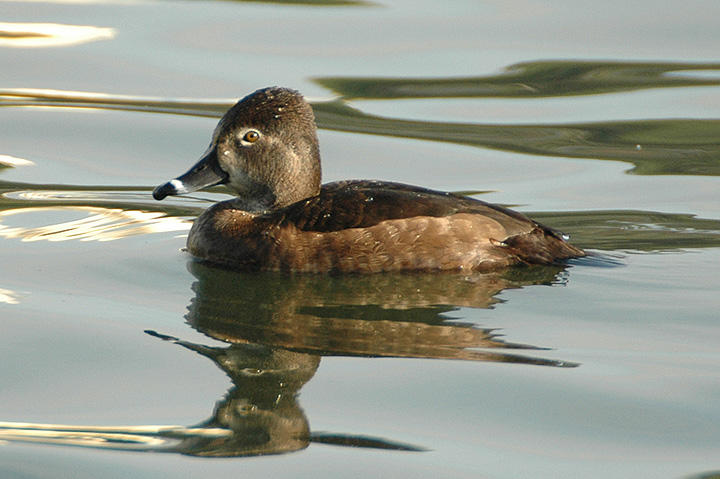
point(542, 246)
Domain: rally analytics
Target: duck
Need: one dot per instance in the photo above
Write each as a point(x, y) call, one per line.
point(266, 150)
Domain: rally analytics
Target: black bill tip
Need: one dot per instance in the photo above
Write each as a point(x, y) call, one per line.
point(172, 187)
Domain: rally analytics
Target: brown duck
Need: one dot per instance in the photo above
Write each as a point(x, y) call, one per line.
point(266, 149)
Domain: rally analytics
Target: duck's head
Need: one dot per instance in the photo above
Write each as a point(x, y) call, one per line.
point(265, 148)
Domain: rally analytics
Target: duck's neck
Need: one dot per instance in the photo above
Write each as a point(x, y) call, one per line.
point(299, 179)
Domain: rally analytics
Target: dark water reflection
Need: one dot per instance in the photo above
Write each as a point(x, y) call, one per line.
point(635, 230)
point(534, 80)
point(654, 147)
point(706, 475)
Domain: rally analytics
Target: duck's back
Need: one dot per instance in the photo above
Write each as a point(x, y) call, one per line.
point(370, 227)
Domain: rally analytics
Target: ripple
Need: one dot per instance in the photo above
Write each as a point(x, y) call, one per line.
point(46, 97)
point(96, 224)
point(6, 160)
point(33, 35)
point(72, 195)
point(9, 296)
point(143, 438)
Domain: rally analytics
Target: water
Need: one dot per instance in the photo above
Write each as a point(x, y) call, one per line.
point(595, 119)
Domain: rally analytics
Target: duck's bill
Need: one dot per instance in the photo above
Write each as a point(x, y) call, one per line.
point(206, 172)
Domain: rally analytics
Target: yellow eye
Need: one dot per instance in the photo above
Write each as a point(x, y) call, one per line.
point(251, 136)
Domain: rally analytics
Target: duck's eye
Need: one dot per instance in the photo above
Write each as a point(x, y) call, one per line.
point(251, 136)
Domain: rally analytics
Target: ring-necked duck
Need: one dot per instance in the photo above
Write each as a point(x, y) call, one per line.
point(265, 148)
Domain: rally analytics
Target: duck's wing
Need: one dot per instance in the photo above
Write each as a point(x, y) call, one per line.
point(365, 203)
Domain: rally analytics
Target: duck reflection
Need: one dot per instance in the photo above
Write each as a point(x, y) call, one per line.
point(278, 327)
point(385, 315)
point(261, 409)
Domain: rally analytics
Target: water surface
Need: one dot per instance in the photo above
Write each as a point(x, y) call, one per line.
point(121, 357)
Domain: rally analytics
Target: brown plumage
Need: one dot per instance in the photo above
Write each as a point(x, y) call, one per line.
point(266, 149)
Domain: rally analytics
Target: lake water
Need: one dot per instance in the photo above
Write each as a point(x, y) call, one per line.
point(122, 358)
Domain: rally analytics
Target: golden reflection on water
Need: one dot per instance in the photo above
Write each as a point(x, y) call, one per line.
point(100, 224)
point(9, 296)
point(46, 97)
point(6, 160)
point(128, 438)
point(34, 35)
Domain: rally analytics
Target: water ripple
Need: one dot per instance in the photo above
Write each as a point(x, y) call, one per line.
point(96, 224)
point(655, 147)
point(34, 35)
